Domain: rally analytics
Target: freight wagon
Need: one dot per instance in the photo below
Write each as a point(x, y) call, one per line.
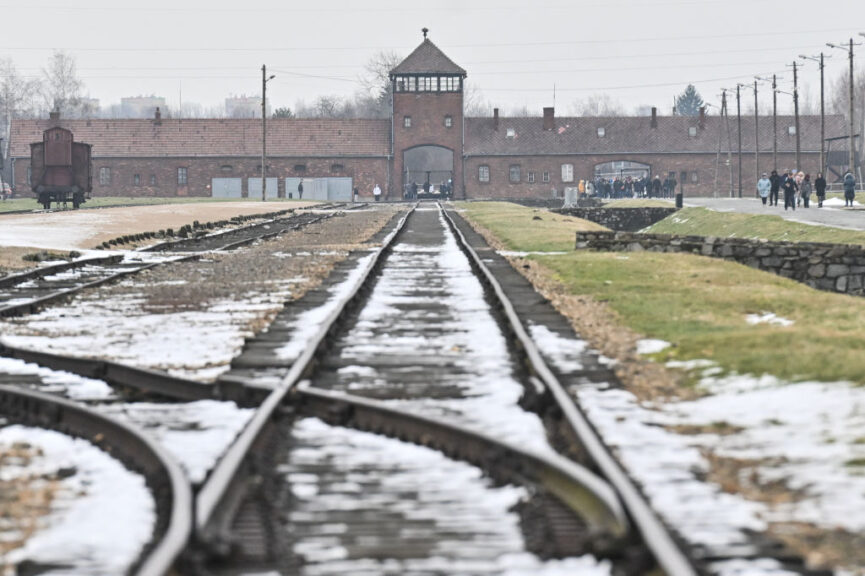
point(60, 168)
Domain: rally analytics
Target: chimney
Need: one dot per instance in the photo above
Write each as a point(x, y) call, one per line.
point(496, 119)
point(549, 118)
point(157, 118)
point(54, 115)
point(702, 117)
point(654, 117)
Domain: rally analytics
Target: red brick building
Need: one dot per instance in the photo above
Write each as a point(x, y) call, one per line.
point(426, 140)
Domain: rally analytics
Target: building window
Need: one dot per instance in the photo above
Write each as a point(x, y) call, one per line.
point(29, 176)
point(791, 130)
point(449, 121)
point(567, 172)
point(514, 173)
point(136, 179)
point(406, 122)
point(694, 177)
point(226, 168)
point(153, 179)
point(483, 173)
point(530, 177)
point(449, 84)
point(545, 177)
point(511, 133)
point(300, 167)
point(181, 177)
point(105, 176)
point(336, 167)
point(602, 132)
point(692, 131)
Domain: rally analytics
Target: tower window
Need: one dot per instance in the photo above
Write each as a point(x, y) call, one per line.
point(406, 122)
point(449, 121)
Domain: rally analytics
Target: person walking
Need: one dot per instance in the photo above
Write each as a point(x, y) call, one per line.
point(849, 189)
point(805, 191)
point(774, 187)
point(764, 185)
point(590, 188)
point(376, 193)
point(820, 188)
point(790, 189)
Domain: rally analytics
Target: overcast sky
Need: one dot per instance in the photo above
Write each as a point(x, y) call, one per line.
point(640, 52)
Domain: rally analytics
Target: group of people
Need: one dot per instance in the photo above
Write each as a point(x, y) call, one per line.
point(411, 191)
point(797, 188)
point(629, 187)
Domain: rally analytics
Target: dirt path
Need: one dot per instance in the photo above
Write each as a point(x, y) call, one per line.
point(86, 229)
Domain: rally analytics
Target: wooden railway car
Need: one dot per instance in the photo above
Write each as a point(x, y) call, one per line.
point(60, 168)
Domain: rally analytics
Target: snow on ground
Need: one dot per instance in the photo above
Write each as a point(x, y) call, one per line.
point(197, 344)
point(195, 433)
point(68, 385)
point(429, 499)
point(102, 515)
point(837, 202)
point(768, 318)
point(513, 254)
point(461, 336)
point(651, 346)
point(808, 435)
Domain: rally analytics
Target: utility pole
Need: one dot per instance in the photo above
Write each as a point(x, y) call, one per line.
point(796, 112)
point(756, 137)
point(726, 115)
point(264, 80)
point(822, 113)
point(739, 133)
point(851, 160)
point(774, 122)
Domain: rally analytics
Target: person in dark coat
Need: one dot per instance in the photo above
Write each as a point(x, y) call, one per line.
point(790, 189)
point(656, 187)
point(820, 188)
point(849, 189)
point(805, 191)
point(300, 189)
point(775, 186)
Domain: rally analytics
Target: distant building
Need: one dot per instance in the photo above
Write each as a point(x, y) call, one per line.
point(427, 139)
point(141, 106)
point(244, 107)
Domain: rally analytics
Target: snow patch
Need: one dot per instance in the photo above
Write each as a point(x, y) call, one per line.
point(767, 318)
point(651, 346)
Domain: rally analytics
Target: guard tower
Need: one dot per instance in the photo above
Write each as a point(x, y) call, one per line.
point(427, 122)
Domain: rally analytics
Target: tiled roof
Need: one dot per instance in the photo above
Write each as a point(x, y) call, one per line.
point(427, 59)
point(214, 137)
point(579, 135)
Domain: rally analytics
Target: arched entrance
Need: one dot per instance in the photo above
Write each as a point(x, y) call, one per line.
point(428, 172)
point(622, 169)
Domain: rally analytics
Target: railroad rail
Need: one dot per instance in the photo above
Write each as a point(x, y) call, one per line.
point(27, 292)
point(164, 477)
point(585, 494)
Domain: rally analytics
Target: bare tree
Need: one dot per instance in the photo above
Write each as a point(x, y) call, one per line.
point(474, 103)
point(17, 96)
point(597, 105)
point(377, 96)
point(838, 102)
point(62, 89)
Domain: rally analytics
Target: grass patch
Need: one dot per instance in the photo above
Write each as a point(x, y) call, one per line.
point(705, 222)
point(527, 229)
point(856, 462)
point(698, 304)
point(107, 201)
point(47, 256)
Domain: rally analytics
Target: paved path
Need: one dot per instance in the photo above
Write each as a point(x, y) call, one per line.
point(835, 216)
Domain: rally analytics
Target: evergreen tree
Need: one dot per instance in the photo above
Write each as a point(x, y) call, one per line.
point(689, 102)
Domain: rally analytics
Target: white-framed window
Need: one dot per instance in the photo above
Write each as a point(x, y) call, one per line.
point(530, 177)
point(449, 83)
point(105, 176)
point(511, 133)
point(602, 132)
point(514, 172)
point(695, 177)
point(182, 177)
point(483, 173)
point(406, 122)
point(545, 177)
point(692, 131)
point(791, 130)
point(449, 121)
point(567, 172)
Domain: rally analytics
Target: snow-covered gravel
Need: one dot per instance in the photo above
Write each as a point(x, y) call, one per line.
point(102, 514)
point(426, 498)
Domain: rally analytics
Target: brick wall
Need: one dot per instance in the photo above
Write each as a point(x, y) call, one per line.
point(365, 172)
point(427, 111)
point(830, 267)
point(704, 165)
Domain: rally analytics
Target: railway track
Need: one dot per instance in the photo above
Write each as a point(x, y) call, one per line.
point(413, 350)
point(27, 292)
point(171, 492)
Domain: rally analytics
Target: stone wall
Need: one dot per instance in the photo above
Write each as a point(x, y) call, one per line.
point(831, 267)
point(621, 219)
